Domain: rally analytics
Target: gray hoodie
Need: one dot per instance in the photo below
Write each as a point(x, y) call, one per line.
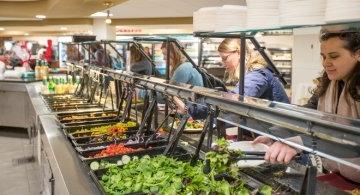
point(142, 67)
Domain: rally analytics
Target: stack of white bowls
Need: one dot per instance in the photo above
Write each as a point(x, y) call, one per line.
point(262, 14)
point(204, 19)
point(342, 11)
point(302, 12)
point(230, 18)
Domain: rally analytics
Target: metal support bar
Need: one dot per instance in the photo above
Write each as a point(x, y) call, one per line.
point(267, 59)
point(309, 184)
point(175, 139)
point(206, 130)
point(200, 54)
point(147, 117)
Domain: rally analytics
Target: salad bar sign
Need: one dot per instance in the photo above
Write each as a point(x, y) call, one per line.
point(128, 30)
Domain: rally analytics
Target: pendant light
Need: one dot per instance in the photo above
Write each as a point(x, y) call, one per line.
point(108, 4)
point(108, 19)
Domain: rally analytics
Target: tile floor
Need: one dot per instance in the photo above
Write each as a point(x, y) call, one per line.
point(17, 176)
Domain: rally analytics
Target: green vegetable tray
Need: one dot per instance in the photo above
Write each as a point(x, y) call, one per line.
point(97, 174)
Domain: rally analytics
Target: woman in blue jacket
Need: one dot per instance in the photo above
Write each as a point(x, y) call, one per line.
point(182, 71)
point(259, 80)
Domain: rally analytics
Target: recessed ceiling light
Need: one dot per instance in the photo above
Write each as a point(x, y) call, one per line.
point(100, 14)
point(40, 16)
point(1, 28)
point(63, 28)
point(26, 34)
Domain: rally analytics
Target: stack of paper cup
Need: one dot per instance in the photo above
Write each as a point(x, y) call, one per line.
point(342, 11)
point(262, 14)
point(302, 12)
point(230, 18)
point(204, 19)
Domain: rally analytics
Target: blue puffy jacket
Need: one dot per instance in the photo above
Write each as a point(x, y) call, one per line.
point(261, 83)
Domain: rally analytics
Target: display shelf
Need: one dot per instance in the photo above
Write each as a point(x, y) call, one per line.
point(282, 58)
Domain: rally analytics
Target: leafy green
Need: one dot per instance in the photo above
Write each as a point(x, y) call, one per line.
point(265, 190)
point(164, 175)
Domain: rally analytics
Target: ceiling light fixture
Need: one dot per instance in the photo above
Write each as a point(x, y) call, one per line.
point(100, 14)
point(1, 28)
point(26, 34)
point(108, 4)
point(41, 17)
point(108, 19)
point(63, 28)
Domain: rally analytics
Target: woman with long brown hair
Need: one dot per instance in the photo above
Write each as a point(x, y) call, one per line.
point(338, 92)
point(181, 71)
point(138, 62)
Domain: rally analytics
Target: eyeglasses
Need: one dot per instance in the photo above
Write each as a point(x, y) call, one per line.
point(224, 59)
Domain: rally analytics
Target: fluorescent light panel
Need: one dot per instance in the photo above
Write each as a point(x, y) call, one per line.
point(100, 14)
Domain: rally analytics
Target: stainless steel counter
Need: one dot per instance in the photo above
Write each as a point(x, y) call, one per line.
point(20, 80)
point(69, 174)
point(62, 170)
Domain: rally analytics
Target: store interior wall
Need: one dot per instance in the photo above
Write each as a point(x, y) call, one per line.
point(286, 41)
point(102, 30)
point(306, 63)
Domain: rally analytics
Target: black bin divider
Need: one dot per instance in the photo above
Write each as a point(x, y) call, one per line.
point(150, 152)
point(84, 141)
point(74, 107)
point(92, 121)
point(86, 153)
point(61, 116)
point(69, 130)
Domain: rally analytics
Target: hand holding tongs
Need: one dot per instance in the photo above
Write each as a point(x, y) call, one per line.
point(253, 155)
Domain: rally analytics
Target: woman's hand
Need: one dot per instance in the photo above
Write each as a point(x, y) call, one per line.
point(264, 140)
point(279, 152)
point(181, 107)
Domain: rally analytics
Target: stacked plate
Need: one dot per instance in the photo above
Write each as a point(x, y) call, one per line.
point(262, 14)
point(204, 19)
point(230, 18)
point(302, 12)
point(342, 11)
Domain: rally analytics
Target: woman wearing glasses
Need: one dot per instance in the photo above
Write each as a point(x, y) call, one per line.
point(259, 81)
point(338, 92)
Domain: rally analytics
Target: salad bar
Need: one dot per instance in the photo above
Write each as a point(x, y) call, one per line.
point(90, 145)
point(110, 152)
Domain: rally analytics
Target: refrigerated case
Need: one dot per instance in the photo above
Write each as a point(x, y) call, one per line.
point(282, 58)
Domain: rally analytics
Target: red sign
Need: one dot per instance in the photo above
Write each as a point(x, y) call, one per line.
point(128, 30)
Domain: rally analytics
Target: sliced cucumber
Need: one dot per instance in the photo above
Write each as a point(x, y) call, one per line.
point(125, 159)
point(119, 162)
point(135, 158)
point(94, 165)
